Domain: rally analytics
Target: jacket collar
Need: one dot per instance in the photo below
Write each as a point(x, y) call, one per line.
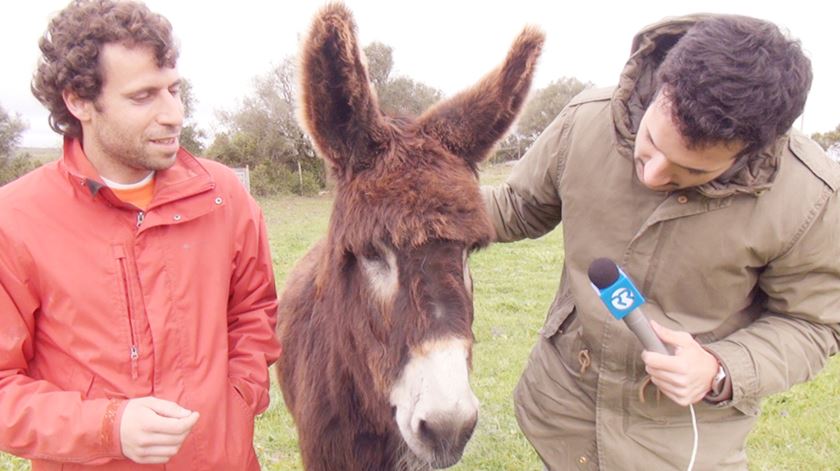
point(752, 174)
point(185, 178)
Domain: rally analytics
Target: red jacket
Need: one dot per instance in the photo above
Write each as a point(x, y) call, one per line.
point(100, 302)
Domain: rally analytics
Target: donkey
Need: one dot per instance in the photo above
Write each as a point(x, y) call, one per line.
point(376, 320)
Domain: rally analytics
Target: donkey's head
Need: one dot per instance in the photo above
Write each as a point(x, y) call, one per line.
point(407, 214)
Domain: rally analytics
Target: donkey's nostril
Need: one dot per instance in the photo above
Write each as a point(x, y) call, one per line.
point(443, 435)
point(446, 438)
point(426, 433)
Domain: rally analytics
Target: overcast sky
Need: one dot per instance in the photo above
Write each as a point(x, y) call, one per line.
point(447, 44)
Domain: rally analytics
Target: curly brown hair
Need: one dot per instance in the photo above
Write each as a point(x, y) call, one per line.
point(71, 46)
point(735, 78)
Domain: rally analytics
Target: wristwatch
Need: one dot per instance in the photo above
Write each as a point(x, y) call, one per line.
point(718, 382)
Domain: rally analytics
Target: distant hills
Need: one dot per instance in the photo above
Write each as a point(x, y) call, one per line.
point(40, 154)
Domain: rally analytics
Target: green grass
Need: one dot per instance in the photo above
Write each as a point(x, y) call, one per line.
point(514, 285)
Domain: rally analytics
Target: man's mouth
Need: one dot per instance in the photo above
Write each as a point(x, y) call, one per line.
point(165, 140)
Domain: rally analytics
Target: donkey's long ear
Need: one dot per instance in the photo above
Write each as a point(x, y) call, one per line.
point(337, 105)
point(470, 123)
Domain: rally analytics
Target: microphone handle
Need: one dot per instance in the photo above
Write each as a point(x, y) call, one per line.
point(639, 324)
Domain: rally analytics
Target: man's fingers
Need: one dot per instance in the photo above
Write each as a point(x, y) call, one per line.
point(166, 408)
point(171, 426)
point(671, 337)
point(666, 377)
point(658, 361)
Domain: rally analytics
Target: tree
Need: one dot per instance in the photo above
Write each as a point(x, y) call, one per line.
point(397, 95)
point(12, 166)
point(11, 130)
point(191, 136)
point(264, 135)
point(827, 139)
point(380, 61)
point(543, 106)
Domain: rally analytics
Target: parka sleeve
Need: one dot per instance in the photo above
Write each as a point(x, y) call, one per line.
point(528, 204)
point(37, 419)
point(252, 313)
point(791, 342)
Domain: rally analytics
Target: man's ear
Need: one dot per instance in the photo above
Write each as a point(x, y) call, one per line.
point(79, 107)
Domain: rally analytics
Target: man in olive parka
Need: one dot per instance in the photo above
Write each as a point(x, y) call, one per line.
point(689, 176)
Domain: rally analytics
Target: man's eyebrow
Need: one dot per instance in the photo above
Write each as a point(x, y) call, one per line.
point(690, 169)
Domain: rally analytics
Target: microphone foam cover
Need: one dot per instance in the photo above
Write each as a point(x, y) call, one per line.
point(603, 272)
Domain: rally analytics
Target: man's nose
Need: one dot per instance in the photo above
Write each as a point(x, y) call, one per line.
point(171, 111)
point(657, 171)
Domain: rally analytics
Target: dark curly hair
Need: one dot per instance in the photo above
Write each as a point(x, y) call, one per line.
point(72, 44)
point(735, 78)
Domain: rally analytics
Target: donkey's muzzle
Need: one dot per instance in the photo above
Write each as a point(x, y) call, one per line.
point(446, 438)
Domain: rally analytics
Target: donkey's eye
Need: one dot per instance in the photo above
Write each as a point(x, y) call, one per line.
point(374, 254)
point(374, 257)
point(381, 271)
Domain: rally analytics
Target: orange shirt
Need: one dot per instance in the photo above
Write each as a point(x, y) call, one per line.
point(139, 194)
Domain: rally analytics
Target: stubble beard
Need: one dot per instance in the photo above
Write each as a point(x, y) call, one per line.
point(137, 154)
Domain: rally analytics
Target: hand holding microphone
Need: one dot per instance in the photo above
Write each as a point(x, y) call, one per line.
point(623, 300)
point(684, 374)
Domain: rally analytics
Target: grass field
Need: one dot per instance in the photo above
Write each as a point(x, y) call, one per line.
point(514, 283)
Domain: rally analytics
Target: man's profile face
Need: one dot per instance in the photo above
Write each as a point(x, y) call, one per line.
point(136, 119)
point(663, 160)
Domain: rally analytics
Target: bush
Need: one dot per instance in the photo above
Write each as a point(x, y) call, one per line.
point(271, 179)
point(11, 169)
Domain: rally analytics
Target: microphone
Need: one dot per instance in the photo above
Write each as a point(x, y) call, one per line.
point(623, 300)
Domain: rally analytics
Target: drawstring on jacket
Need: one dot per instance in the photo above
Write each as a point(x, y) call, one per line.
point(584, 360)
point(645, 381)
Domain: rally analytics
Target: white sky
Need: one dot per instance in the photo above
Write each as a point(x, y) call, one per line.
point(447, 44)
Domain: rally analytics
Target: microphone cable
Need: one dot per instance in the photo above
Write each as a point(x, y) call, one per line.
point(696, 437)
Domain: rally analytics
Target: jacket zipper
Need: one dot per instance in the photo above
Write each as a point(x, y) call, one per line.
point(134, 350)
point(140, 217)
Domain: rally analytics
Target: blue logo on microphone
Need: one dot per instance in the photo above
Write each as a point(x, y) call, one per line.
point(621, 297)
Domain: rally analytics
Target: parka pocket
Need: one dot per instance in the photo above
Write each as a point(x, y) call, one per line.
point(559, 315)
point(660, 410)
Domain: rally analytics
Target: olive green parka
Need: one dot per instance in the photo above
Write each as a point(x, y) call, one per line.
point(749, 264)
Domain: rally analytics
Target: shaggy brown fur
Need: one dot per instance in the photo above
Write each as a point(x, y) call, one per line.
point(405, 186)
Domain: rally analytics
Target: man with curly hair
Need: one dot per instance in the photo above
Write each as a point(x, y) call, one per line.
point(689, 176)
point(137, 294)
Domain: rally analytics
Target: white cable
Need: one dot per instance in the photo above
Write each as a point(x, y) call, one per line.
point(696, 437)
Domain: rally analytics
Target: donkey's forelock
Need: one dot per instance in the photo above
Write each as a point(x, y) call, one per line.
point(410, 206)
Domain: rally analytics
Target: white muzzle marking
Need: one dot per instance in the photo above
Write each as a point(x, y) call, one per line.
point(434, 386)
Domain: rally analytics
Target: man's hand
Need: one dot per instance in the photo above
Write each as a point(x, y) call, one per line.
point(686, 377)
point(152, 430)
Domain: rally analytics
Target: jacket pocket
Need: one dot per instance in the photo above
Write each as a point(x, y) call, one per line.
point(239, 433)
point(123, 272)
point(559, 314)
point(665, 413)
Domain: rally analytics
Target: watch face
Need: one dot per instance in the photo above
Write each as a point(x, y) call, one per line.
point(717, 384)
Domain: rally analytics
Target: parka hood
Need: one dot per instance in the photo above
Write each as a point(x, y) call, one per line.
point(751, 174)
